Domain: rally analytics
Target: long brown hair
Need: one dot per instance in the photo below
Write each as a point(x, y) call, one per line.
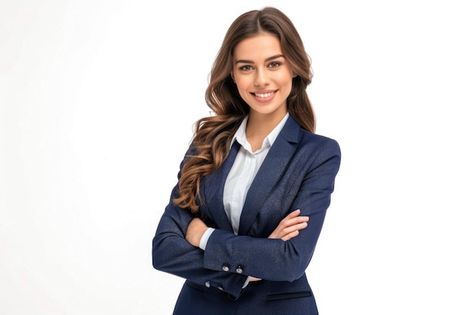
point(213, 134)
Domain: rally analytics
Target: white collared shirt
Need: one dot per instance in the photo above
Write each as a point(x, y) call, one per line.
point(241, 175)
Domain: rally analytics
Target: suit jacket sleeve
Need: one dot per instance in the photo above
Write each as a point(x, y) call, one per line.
point(280, 260)
point(173, 254)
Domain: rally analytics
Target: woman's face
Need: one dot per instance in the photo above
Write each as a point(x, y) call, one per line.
point(262, 74)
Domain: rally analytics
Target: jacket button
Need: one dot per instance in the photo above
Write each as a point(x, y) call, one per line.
point(220, 288)
point(239, 269)
point(207, 284)
point(225, 268)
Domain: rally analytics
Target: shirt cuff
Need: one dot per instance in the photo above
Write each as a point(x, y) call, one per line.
point(246, 282)
point(205, 238)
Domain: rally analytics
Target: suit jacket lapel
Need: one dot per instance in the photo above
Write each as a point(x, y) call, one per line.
point(213, 185)
point(267, 176)
point(274, 164)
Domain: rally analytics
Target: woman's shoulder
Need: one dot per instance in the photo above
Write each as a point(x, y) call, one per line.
point(319, 142)
point(317, 149)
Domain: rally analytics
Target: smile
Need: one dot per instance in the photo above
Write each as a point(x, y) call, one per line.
point(264, 97)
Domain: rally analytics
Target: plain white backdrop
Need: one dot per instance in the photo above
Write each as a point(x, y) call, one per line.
point(97, 105)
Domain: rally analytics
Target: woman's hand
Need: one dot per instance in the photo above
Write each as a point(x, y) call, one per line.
point(289, 226)
point(195, 230)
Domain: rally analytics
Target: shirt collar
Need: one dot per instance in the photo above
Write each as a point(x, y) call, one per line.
point(240, 134)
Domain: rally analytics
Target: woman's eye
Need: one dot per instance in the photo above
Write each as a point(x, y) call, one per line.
point(274, 64)
point(245, 68)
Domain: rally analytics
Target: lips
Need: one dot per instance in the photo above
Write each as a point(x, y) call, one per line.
point(264, 95)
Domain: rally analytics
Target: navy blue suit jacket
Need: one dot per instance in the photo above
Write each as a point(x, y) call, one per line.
point(298, 173)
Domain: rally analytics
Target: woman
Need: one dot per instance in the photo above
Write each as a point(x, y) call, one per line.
point(254, 186)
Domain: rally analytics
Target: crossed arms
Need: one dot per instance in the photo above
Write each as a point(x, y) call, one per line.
point(278, 259)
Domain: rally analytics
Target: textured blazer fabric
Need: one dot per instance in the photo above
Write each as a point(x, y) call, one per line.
point(298, 173)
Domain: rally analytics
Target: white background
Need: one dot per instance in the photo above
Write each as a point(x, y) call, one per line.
point(97, 105)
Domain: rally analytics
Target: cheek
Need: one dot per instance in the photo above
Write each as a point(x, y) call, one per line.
point(284, 79)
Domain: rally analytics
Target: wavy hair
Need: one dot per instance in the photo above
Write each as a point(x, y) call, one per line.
point(213, 134)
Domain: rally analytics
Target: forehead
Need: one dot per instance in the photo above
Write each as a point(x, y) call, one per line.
point(257, 47)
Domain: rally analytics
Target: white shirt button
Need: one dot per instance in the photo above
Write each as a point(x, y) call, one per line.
point(207, 284)
point(239, 269)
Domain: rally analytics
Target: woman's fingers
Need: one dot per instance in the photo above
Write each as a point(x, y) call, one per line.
point(292, 231)
point(294, 227)
point(294, 213)
point(290, 235)
point(290, 225)
point(292, 221)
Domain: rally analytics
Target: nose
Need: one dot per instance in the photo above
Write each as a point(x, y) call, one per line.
point(261, 78)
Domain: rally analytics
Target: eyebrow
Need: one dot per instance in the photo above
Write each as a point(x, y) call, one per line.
point(267, 59)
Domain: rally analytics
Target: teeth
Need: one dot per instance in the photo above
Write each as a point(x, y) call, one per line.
point(264, 94)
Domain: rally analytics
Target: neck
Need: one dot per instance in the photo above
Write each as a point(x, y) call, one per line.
point(260, 125)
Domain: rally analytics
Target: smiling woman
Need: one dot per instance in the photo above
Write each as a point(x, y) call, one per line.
point(253, 188)
point(262, 75)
